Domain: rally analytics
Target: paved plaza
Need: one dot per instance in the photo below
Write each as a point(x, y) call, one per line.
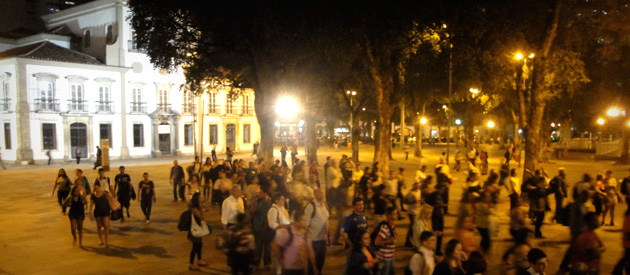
point(35, 237)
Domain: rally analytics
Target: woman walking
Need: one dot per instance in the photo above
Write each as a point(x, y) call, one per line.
point(100, 205)
point(62, 185)
point(77, 203)
point(452, 264)
point(197, 242)
point(362, 260)
point(612, 197)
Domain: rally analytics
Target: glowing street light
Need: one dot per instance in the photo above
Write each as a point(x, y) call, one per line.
point(613, 112)
point(286, 107)
point(531, 55)
point(474, 91)
point(423, 121)
point(458, 122)
point(600, 121)
point(490, 124)
point(553, 125)
point(518, 56)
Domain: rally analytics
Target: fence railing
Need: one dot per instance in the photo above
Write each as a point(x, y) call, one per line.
point(610, 148)
point(235, 110)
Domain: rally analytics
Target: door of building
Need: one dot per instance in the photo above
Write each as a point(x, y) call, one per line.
point(165, 143)
point(78, 139)
point(230, 136)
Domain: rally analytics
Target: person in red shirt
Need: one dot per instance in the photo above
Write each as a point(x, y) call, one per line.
point(386, 241)
point(587, 247)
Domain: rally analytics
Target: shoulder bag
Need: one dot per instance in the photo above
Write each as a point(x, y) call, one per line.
point(199, 230)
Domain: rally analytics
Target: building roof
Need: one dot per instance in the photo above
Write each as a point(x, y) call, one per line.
point(51, 52)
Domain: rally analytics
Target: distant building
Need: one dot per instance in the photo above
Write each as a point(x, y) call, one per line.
point(83, 80)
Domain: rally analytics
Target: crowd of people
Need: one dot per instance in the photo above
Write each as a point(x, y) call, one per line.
point(277, 217)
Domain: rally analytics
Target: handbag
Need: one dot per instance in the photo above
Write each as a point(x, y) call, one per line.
point(199, 230)
point(113, 203)
point(116, 214)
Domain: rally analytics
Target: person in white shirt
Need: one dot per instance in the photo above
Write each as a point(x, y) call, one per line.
point(423, 262)
point(317, 223)
point(223, 185)
point(413, 202)
point(391, 184)
point(278, 217)
point(231, 207)
point(333, 175)
point(421, 174)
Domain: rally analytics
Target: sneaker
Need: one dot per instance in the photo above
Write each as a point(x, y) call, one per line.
point(148, 222)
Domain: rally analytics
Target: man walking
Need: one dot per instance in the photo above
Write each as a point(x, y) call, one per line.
point(147, 196)
point(423, 262)
point(231, 207)
point(256, 145)
point(78, 155)
point(99, 158)
point(558, 186)
point(123, 189)
point(317, 222)
point(258, 210)
point(177, 179)
point(386, 242)
point(354, 222)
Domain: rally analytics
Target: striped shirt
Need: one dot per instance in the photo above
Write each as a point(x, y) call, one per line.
point(386, 252)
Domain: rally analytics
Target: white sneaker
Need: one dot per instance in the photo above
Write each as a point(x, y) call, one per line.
point(148, 222)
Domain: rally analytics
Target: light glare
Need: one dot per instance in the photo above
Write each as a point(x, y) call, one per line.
point(286, 107)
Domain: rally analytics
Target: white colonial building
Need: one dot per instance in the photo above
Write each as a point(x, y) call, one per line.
point(83, 80)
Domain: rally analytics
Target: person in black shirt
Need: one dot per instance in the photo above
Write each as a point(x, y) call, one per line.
point(558, 186)
point(123, 189)
point(437, 217)
point(250, 173)
point(99, 159)
point(147, 196)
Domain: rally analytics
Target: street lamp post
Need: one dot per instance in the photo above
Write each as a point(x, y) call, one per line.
point(287, 108)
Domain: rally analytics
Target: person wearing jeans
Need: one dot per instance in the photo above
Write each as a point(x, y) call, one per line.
point(147, 196)
point(317, 222)
point(177, 179)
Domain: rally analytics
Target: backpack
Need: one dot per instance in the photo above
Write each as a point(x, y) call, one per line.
point(408, 269)
point(184, 221)
point(314, 208)
point(375, 232)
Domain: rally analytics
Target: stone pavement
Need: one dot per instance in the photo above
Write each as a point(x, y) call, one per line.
point(35, 237)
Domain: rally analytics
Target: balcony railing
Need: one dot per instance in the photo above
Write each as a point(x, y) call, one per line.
point(46, 105)
point(235, 110)
point(77, 106)
point(164, 107)
point(5, 103)
point(105, 107)
point(138, 107)
point(189, 108)
point(213, 109)
point(248, 111)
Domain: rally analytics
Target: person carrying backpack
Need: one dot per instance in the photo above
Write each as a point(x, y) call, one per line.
point(292, 245)
point(385, 241)
point(423, 261)
point(317, 223)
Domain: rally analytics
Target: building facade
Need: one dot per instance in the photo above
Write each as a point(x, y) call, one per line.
point(83, 81)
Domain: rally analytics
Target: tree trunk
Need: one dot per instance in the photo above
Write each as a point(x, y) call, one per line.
point(418, 150)
point(538, 99)
point(532, 143)
point(385, 111)
point(311, 144)
point(516, 138)
point(356, 132)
